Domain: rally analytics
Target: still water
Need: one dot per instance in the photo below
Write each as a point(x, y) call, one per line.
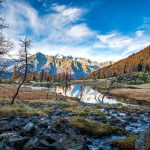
point(86, 94)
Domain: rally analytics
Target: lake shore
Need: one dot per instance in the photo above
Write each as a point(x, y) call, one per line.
point(136, 92)
point(122, 92)
point(38, 120)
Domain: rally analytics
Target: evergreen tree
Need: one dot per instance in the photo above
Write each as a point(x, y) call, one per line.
point(147, 68)
point(42, 75)
point(139, 67)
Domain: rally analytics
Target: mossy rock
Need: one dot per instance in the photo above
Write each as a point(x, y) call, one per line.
point(93, 128)
point(125, 144)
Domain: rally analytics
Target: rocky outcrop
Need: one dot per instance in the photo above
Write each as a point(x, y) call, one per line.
point(41, 133)
point(143, 141)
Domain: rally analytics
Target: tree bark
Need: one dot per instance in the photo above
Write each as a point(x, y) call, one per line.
point(25, 75)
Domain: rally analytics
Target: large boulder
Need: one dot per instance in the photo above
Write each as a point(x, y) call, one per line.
point(143, 141)
point(29, 128)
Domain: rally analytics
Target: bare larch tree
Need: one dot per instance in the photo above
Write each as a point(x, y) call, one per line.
point(5, 44)
point(23, 65)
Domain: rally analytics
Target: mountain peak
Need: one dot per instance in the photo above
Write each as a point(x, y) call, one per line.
point(59, 55)
point(63, 56)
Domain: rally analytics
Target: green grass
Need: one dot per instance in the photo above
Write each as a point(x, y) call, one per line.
point(125, 144)
point(23, 110)
point(85, 111)
point(93, 128)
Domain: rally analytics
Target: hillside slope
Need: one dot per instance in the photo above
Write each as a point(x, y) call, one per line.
point(136, 62)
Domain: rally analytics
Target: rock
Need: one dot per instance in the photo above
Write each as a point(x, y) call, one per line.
point(5, 145)
point(43, 144)
point(142, 142)
point(43, 124)
point(14, 139)
point(18, 143)
point(17, 123)
point(89, 142)
point(56, 146)
point(48, 137)
point(79, 138)
point(82, 147)
point(31, 144)
point(132, 119)
point(11, 117)
point(100, 148)
point(29, 128)
point(77, 146)
point(58, 112)
point(8, 135)
point(5, 126)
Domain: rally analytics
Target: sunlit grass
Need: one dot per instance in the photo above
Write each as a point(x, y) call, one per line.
point(85, 111)
point(23, 110)
point(125, 144)
point(93, 128)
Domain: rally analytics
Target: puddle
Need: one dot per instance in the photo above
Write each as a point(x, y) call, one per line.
point(103, 143)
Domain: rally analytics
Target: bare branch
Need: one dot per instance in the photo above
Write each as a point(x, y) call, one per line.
point(23, 64)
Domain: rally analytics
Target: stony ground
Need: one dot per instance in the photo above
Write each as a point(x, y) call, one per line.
point(64, 124)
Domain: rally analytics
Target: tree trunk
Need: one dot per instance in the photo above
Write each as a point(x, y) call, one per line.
point(25, 75)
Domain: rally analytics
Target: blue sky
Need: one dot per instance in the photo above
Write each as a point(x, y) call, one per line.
point(96, 29)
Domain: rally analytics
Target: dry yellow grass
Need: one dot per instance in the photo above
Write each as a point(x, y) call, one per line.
point(8, 91)
point(137, 94)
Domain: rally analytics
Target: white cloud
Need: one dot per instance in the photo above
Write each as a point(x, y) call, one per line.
point(22, 16)
point(104, 38)
point(139, 33)
point(79, 31)
point(71, 13)
point(53, 49)
point(113, 40)
point(118, 42)
point(64, 30)
point(59, 31)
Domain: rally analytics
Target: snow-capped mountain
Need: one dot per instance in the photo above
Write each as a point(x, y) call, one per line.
point(59, 64)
